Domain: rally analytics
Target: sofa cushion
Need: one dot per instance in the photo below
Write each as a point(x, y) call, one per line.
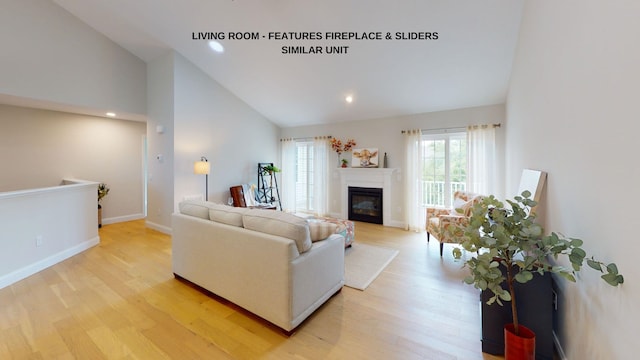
point(227, 214)
point(197, 208)
point(320, 230)
point(280, 224)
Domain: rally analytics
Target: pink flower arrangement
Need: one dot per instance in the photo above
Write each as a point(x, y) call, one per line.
point(338, 147)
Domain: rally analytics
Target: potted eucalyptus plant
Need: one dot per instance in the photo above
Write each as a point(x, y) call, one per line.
point(510, 238)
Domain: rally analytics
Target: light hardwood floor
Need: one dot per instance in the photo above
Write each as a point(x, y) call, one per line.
point(119, 300)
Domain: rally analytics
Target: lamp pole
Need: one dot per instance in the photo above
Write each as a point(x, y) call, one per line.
point(203, 167)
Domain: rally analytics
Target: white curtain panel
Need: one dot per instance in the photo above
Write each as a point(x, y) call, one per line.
point(481, 144)
point(288, 175)
point(322, 152)
point(414, 211)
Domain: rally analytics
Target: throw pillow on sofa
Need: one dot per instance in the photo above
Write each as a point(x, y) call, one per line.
point(280, 224)
point(320, 230)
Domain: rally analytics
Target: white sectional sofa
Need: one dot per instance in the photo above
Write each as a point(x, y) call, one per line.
point(261, 260)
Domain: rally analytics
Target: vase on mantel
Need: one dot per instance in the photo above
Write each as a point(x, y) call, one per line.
point(339, 161)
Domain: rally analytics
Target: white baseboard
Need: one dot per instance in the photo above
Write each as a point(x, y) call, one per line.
point(396, 223)
point(31, 269)
point(119, 219)
point(158, 227)
point(556, 341)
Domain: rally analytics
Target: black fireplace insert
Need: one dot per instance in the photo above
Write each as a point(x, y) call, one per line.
point(365, 204)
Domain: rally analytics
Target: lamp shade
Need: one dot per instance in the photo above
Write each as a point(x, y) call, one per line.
point(201, 167)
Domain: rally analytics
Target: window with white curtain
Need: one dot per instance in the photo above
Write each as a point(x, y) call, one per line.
point(444, 167)
point(439, 163)
point(305, 175)
point(304, 165)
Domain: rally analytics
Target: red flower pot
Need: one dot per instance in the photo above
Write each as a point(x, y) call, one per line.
point(519, 347)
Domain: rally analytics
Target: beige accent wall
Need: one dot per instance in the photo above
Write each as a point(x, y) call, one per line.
point(38, 148)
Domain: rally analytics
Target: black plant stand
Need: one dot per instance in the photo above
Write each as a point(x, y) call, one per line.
point(268, 191)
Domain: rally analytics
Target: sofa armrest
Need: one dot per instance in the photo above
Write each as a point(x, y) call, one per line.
point(453, 225)
point(248, 268)
point(433, 212)
point(317, 275)
point(453, 219)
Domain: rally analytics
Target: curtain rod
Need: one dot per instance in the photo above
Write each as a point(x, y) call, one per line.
point(307, 138)
point(485, 126)
point(455, 128)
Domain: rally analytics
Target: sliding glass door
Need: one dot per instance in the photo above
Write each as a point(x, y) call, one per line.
point(444, 158)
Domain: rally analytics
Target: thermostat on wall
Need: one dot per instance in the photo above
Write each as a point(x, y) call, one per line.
point(160, 129)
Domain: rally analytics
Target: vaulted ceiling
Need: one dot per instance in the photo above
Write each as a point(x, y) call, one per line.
point(468, 65)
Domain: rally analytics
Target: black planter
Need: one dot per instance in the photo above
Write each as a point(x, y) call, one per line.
point(535, 311)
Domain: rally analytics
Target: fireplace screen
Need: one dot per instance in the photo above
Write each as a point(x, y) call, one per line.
point(365, 204)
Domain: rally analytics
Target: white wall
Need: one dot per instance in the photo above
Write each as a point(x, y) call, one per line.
point(50, 55)
point(200, 118)
point(572, 111)
point(38, 148)
point(212, 122)
point(160, 92)
point(385, 134)
point(41, 227)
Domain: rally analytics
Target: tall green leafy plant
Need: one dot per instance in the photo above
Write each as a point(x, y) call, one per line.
point(510, 237)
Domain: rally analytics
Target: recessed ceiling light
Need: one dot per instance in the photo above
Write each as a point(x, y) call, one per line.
point(111, 114)
point(216, 46)
point(349, 99)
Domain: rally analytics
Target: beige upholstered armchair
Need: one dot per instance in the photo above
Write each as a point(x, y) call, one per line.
point(439, 220)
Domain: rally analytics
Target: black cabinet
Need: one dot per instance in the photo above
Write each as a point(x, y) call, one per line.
point(535, 311)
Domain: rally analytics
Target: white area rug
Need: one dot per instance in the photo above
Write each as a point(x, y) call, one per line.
point(363, 263)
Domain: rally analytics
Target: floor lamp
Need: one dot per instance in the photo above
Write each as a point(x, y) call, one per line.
point(203, 167)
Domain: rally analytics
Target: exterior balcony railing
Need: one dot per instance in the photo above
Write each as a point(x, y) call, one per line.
point(438, 194)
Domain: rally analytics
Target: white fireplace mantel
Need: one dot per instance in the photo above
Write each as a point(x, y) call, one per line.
point(367, 178)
